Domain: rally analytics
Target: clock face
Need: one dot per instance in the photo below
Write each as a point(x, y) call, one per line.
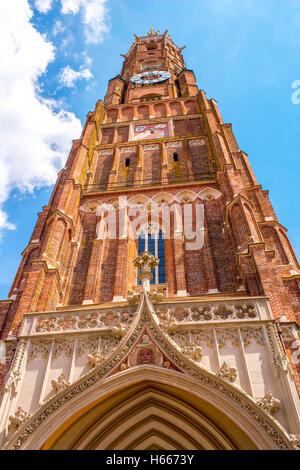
point(146, 78)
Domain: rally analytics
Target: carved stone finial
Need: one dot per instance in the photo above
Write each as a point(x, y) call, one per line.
point(227, 373)
point(95, 358)
point(156, 296)
point(269, 403)
point(60, 384)
point(19, 418)
point(193, 351)
point(145, 262)
point(133, 297)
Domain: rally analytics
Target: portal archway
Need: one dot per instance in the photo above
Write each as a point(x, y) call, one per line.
point(150, 408)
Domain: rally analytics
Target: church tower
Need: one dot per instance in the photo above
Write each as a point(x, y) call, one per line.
point(157, 303)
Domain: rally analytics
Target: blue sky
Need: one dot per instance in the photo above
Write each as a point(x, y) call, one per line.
point(60, 54)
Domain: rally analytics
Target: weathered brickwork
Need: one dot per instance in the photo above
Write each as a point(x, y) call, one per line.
point(161, 142)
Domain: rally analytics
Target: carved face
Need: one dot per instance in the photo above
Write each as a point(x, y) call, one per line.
point(145, 356)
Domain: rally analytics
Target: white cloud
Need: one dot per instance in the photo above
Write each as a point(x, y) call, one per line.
point(43, 6)
point(68, 76)
point(58, 28)
point(95, 20)
point(94, 15)
point(35, 133)
point(71, 6)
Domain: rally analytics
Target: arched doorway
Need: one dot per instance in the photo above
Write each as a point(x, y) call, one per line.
point(153, 416)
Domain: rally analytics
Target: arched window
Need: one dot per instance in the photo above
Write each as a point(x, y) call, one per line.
point(154, 243)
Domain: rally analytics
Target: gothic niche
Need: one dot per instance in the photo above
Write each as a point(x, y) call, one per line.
point(145, 353)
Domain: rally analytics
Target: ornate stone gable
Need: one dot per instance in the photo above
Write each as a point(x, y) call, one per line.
point(146, 335)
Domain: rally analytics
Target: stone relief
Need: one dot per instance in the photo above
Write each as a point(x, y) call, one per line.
point(96, 358)
point(269, 403)
point(230, 336)
point(295, 439)
point(227, 373)
point(12, 381)
point(146, 352)
point(190, 343)
point(60, 384)
point(20, 417)
point(84, 321)
point(193, 352)
point(253, 334)
point(104, 344)
point(207, 312)
point(64, 346)
point(156, 295)
point(14, 375)
point(39, 349)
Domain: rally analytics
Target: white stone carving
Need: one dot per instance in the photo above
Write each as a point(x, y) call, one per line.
point(156, 295)
point(253, 334)
point(227, 373)
point(227, 335)
point(64, 346)
point(133, 297)
point(91, 344)
point(60, 384)
point(269, 403)
point(205, 312)
point(84, 320)
point(295, 439)
point(96, 358)
point(193, 351)
point(14, 375)
point(12, 381)
point(39, 349)
point(19, 418)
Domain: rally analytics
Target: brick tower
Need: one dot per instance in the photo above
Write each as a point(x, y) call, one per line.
point(157, 279)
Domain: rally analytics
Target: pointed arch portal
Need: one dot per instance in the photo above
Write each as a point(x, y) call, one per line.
point(149, 415)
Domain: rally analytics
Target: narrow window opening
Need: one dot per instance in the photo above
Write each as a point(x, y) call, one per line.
point(127, 162)
point(175, 157)
point(154, 243)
